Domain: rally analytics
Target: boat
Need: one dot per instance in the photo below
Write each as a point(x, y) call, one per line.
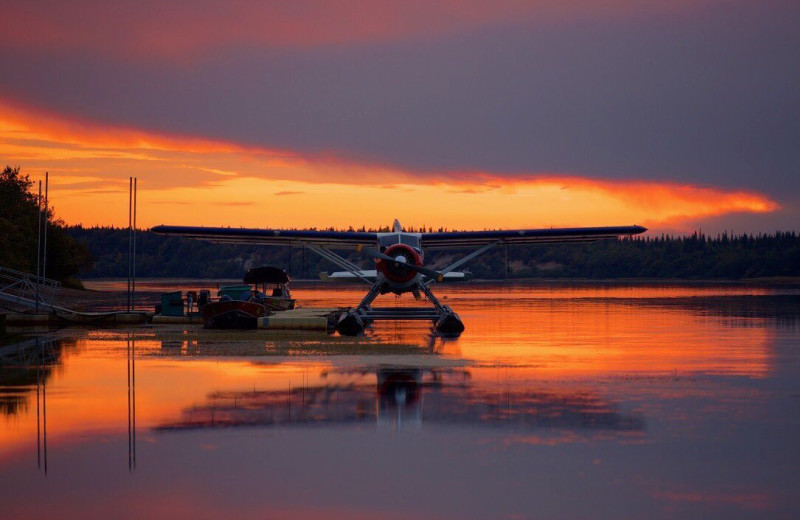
point(227, 313)
point(274, 291)
point(240, 306)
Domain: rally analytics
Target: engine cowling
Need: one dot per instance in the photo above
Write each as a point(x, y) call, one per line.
point(397, 272)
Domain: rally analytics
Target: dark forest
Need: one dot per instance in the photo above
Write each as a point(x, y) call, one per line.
point(692, 257)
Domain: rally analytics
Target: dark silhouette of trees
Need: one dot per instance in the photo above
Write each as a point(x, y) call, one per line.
point(19, 219)
point(692, 257)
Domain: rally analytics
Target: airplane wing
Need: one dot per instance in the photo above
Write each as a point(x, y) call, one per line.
point(464, 239)
point(347, 239)
point(282, 237)
point(372, 274)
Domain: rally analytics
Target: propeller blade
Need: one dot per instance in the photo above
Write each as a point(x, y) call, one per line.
point(430, 273)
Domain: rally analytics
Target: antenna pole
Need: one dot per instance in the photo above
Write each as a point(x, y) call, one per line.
point(133, 260)
point(130, 215)
point(46, 218)
point(38, 243)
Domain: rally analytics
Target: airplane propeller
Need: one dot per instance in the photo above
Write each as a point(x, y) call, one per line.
point(430, 273)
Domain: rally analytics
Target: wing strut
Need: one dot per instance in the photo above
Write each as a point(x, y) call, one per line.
point(338, 260)
point(469, 257)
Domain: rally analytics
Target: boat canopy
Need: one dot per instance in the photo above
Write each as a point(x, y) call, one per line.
point(266, 274)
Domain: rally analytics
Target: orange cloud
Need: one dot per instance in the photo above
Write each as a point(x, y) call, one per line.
point(90, 165)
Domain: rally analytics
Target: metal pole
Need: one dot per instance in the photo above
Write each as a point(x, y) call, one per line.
point(128, 359)
point(44, 415)
point(133, 399)
point(130, 205)
point(133, 261)
point(46, 218)
point(38, 243)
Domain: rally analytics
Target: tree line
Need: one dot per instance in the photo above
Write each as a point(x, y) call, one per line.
point(20, 214)
point(695, 256)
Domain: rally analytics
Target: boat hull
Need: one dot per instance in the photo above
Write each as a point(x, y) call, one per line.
point(232, 314)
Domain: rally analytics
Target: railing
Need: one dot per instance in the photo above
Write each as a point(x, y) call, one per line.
point(23, 289)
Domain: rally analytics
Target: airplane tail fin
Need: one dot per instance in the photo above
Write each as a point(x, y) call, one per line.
point(396, 227)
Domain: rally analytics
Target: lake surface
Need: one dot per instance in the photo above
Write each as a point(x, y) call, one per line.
point(558, 401)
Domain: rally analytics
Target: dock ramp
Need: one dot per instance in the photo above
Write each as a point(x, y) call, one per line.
point(22, 290)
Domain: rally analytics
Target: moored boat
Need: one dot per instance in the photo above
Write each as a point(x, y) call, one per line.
point(276, 298)
point(232, 314)
point(240, 306)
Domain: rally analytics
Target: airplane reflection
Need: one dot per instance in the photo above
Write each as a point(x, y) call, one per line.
point(411, 340)
point(407, 398)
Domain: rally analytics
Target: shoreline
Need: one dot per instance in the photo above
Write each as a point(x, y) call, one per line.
point(789, 280)
point(109, 294)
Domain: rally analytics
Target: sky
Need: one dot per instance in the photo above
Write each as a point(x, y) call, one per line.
point(679, 116)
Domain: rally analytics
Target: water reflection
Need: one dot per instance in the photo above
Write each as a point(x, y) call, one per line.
point(401, 397)
point(131, 372)
point(25, 365)
point(406, 338)
point(610, 403)
point(782, 310)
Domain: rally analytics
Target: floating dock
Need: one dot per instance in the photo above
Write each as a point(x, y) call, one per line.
point(302, 318)
point(160, 319)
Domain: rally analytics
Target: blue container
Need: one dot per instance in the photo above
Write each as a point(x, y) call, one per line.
point(172, 304)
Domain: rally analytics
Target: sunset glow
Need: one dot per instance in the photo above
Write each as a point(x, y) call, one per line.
point(89, 166)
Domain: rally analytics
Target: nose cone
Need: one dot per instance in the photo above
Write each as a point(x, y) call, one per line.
point(398, 270)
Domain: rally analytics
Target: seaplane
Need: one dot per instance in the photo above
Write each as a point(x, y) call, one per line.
point(399, 261)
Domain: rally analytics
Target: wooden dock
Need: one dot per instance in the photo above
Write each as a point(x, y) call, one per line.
point(193, 318)
point(304, 318)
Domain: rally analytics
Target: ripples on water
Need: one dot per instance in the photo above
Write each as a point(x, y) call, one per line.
point(583, 401)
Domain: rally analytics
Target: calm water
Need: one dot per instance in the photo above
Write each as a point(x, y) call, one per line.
point(559, 401)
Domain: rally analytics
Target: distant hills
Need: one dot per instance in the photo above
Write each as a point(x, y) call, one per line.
point(684, 257)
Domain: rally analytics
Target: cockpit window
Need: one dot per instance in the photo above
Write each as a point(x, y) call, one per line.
point(388, 240)
point(410, 240)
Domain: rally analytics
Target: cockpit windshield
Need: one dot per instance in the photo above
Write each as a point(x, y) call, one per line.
point(389, 240)
point(399, 238)
point(410, 240)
